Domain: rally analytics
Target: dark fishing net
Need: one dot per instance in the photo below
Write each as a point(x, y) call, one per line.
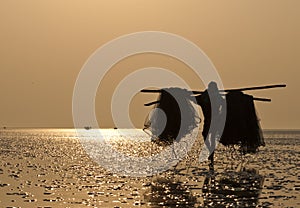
point(174, 116)
point(242, 125)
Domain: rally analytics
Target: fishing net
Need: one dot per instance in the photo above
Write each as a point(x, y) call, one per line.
point(173, 117)
point(242, 125)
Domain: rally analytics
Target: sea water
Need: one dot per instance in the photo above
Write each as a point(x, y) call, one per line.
point(51, 168)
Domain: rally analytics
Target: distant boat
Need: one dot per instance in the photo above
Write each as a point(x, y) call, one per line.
point(87, 127)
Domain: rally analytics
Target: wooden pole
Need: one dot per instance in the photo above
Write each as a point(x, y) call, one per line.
point(254, 98)
point(228, 90)
point(152, 103)
point(255, 88)
point(145, 90)
point(262, 99)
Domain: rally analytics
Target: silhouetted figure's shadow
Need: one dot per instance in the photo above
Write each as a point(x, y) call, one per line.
point(232, 189)
point(169, 193)
point(226, 189)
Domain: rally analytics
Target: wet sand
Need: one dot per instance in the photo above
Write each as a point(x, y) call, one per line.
point(51, 169)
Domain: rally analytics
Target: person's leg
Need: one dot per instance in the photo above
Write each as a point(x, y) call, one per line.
point(211, 164)
point(212, 150)
point(210, 144)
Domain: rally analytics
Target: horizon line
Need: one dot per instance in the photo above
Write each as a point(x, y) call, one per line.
point(30, 127)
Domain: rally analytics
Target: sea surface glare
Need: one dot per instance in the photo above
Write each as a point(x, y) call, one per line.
point(50, 168)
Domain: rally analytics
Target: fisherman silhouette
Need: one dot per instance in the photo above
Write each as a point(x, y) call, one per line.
point(212, 105)
point(176, 118)
point(185, 118)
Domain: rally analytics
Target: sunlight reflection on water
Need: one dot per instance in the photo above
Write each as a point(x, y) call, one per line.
point(49, 167)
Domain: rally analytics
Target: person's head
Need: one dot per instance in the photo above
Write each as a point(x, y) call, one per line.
point(213, 87)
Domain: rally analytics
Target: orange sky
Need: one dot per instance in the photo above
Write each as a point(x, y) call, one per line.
point(44, 44)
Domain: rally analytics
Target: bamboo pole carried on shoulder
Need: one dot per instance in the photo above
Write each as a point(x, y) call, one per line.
point(255, 88)
point(254, 98)
point(228, 90)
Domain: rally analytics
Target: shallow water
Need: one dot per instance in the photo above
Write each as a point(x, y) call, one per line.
point(50, 168)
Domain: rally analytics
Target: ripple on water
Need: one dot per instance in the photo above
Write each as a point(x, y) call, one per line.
point(48, 168)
